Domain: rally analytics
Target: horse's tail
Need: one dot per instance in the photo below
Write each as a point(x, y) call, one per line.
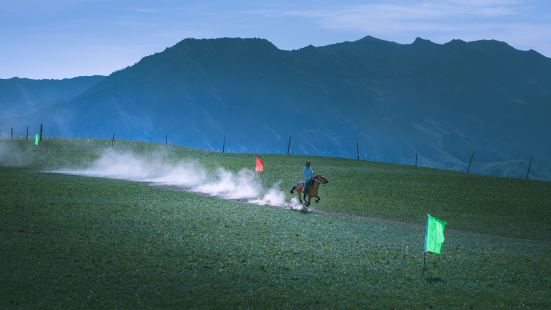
point(293, 189)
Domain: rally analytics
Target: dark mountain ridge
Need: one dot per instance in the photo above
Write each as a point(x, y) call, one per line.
point(20, 96)
point(443, 101)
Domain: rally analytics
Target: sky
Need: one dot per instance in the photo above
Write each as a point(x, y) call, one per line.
point(67, 38)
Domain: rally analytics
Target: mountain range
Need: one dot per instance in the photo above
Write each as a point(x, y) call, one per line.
point(441, 101)
point(23, 96)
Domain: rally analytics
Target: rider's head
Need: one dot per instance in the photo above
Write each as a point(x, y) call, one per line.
point(308, 163)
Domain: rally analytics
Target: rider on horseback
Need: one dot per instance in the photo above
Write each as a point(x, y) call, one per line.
point(308, 174)
point(309, 186)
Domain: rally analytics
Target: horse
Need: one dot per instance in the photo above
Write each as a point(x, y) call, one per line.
point(312, 191)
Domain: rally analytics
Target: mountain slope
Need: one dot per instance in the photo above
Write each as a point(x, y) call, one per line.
point(23, 96)
point(443, 101)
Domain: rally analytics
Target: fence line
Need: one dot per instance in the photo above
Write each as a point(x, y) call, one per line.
point(528, 171)
point(322, 154)
point(289, 146)
point(470, 163)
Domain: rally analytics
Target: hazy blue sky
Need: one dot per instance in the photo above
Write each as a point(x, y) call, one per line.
point(66, 38)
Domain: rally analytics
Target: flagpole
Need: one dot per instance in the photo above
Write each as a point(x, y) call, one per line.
point(425, 249)
point(424, 257)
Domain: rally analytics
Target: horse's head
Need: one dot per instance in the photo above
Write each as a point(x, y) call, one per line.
point(321, 179)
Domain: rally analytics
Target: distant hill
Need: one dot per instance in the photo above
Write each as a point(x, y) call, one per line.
point(23, 96)
point(443, 101)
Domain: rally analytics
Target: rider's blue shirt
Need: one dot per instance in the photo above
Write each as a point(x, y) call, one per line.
point(308, 173)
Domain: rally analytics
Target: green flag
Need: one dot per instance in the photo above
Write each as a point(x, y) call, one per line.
point(36, 139)
point(434, 236)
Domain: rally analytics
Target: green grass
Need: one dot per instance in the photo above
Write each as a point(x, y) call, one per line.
point(70, 241)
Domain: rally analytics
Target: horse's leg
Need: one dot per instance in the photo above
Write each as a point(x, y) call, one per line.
point(304, 202)
point(318, 199)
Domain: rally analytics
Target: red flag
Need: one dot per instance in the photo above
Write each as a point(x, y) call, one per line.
point(259, 164)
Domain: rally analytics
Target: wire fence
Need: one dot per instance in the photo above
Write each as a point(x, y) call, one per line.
point(416, 158)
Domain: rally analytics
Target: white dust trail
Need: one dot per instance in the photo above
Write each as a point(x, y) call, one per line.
point(191, 176)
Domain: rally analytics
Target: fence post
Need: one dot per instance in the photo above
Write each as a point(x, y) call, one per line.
point(113, 140)
point(166, 140)
point(289, 146)
point(529, 166)
point(416, 158)
point(40, 133)
point(224, 145)
point(470, 163)
point(357, 150)
point(27, 133)
point(11, 133)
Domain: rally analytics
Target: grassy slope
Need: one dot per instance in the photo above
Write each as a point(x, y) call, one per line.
point(507, 207)
point(70, 241)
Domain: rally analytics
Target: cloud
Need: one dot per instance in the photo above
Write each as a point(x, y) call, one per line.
point(421, 13)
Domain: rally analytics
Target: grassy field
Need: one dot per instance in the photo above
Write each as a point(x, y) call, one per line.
point(71, 241)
